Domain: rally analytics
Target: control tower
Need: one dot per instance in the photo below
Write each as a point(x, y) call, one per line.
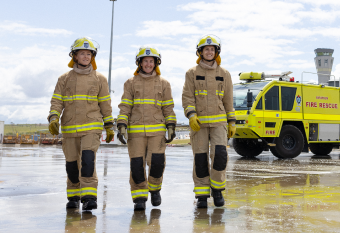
point(323, 64)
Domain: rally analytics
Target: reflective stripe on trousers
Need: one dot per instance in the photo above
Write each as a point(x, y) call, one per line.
point(73, 192)
point(88, 191)
point(202, 190)
point(140, 193)
point(153, 187)
point(217, 185)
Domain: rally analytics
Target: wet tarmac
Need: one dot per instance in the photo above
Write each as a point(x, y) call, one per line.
point(262, 195)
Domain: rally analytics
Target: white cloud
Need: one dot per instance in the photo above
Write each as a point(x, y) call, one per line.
point(24, 29)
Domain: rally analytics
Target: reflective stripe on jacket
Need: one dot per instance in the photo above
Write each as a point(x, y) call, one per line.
point(146, 106)
point(209, 93)
point(84, 101)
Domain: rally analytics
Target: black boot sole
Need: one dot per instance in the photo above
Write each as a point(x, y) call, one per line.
point(72, 205)
point(90, 207)
point(139, 206)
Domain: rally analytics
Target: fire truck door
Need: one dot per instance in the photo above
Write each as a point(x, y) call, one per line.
point(272, 112)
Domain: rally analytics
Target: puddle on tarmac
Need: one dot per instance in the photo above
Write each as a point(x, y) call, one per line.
point(262, 195)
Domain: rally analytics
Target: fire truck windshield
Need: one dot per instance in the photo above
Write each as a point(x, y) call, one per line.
point(240, 93)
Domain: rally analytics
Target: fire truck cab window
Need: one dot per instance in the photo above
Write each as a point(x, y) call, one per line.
point(272, 99)
point(287, 98)
point(259, 104)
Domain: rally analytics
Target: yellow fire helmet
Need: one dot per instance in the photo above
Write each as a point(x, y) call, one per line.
point(208, 40)
point(148, 51)
point(87, 44)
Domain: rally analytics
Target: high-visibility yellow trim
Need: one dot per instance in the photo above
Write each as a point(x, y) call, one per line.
point(170, 118)
point(80, 128)
point(167, 102)
point(231, 114)
point(73, 192)
point(140, 193)
point(147, 101)
point(213, 118)
point(123, 117)
point(217, 185)
point(75, 97)
point(323, 116)
point(201, 92)
point(221, 93)
point(127, 101)
point(89, 191)
point(191, 108)
point(146, 128)
point(202, 190)
point(55, 112)
point(104, 98)
point(107, 119)
point(153, 187)
point(57, 96)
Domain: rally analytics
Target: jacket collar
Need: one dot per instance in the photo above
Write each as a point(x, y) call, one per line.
point(82, 71)
point(207, 67)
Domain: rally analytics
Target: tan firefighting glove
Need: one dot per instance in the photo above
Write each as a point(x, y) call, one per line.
point(231, 129)
point(171, 133)
point(109, 133)
point(53, 127)
point(194, 122)
point(122, 134)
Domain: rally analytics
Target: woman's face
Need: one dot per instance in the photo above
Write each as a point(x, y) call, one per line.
point(148, 64)
point(83, 57)
point(208, 52)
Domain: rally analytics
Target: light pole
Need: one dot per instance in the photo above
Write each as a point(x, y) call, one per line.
point(113, 5)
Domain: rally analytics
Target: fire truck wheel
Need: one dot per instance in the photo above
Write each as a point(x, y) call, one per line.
point(247, 147)
point(289, 144)
point(321, 148)
point(274, 152)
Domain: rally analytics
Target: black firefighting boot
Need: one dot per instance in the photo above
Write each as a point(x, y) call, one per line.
point(73, 202)
point(202, 202)
point(139, 203)
point(218, 198)
point(89, 204)
point(156, 199)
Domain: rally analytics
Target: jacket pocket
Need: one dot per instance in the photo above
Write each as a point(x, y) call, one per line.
point(220, 91)
point(201, 94)
point(66, 117)
point(135, 118)
point(159, 118)
point(158, 96)
point(92, 95)
point(68, 99)
point(137, 96)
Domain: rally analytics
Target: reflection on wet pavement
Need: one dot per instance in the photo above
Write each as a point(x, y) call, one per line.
point(263, 194)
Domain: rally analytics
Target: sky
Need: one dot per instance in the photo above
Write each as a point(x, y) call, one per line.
point(270, 36)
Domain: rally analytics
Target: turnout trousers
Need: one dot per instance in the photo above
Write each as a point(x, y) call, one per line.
point(80, 154)
point(208, 175)
point(142, 151)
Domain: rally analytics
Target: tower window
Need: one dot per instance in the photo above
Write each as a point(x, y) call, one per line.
point(326, 62)
point(319, 61)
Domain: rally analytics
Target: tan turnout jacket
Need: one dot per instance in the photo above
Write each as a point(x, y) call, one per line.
point(146, 106)
point(83, 101)
point(208, 91)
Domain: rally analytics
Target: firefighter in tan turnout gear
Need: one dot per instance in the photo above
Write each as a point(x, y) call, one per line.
point(146, 112)
point(82, 98)
point(208, 103)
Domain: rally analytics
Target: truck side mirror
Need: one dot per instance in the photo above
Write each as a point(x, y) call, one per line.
point(249, 99)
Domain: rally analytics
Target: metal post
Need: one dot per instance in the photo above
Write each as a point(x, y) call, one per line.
point(113, 4)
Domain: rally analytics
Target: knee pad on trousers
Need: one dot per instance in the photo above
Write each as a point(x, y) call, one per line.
point(221, 158)
point(157, 165)
point(72, 171)
point(201, 165)
point(87, 163)
point(137, 170)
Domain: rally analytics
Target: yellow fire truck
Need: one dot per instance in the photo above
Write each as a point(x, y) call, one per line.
point(284, 116)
